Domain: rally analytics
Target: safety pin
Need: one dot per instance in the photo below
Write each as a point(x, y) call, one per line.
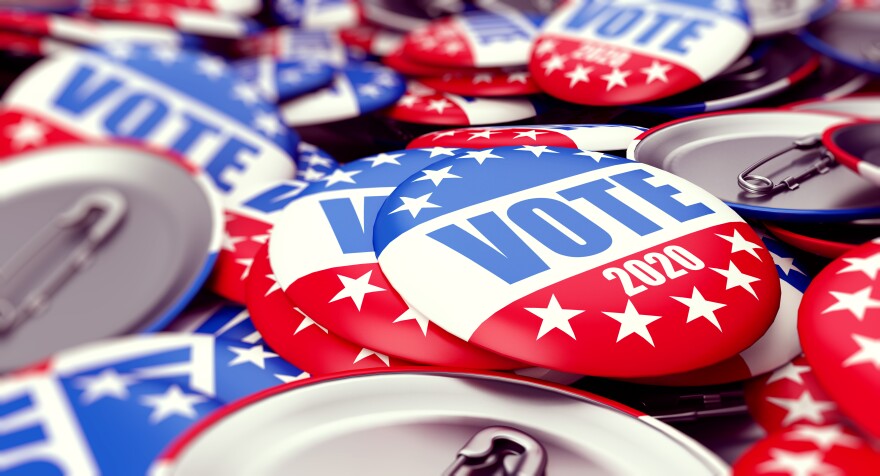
point(761, 185)
point(485, 454)
point(101, 210)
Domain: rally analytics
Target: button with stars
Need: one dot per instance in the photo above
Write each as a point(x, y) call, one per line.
point(595, 137)
point(331, 273)
point(586, 55)
point(78, 409)
point(485, 83)
point(356, 89)
point(177, 100)
point(577, 261)
point(424, 105)
point(194, 21)
point(839, 327)
point(250, 215)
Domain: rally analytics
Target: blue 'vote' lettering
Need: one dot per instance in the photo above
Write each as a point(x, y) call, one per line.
point(343, 219)
point(512, 260)
point(277, 197)
point(137, 114)
point(610, 21)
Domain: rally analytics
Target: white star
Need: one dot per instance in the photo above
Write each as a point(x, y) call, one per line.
point(435, 151)
point(738, 243)
point(616, 78)
point(385, 79)
point(554, 317)
point(440, 135)
point(521, 77)
point(631, 322)
point(785, 264)
point(261, 239)
point(438, 105)
point(428, 43)
point(545, 46)
point(245, 93)
point(857, 303)
point(737, 279)
point(356, 289)
point(729, 6)
point(579, 74)
point(316, 160)
point(229, 241)
point(364, 353)
point(437, 176)
point(480, 155)
point(453, 48)
point(268, 123)
point(415, 205)
point(556, 62)
point(247, 263)
point(483, 134)
point(868, 353)
point(532, 134)
point(383, 158)
point(290, 378)
point(307, 322)
point(482, 78)
point(869, 265)
point(805, 463)
point(596, 156)
point(254, 355)
point(537, 149)
point(412, 315)
point(275, 286)
point(824, 437)
point(211, 67)
point(369, 90)
point(408, 100)
point(699, 307)
point(108, 383)
point(338, 176)
point(656, 72)
point(290, 76)
point(311, 175)
point(803, 408)
point(790, 371)
point(119, 50)
point(165, 53)
point(172, 402)
point(27, 132)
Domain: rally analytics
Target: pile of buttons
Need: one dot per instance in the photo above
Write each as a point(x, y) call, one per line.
point(459, 237)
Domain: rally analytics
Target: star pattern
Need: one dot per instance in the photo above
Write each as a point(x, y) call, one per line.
point(738, 243)
point(211, 67)
point(869, 266)
point(364, 353)
point(790, 371)
point(616, 78)
point(438, 151)
point(275, 285)
point(174, 402)
point(537, 150)
point(785, 263)
point(480, 155)
point(383, 158)
point(340, 176)
point(737, 279)
point(356, 289)
point(699, 307)
point(554, 317)
point(307, 322)
point(805, 463)
point(803, 408)
point(856, 303)
point(27, 133)
point(656, 72)
point(415, 205)
point(437, 176)
point(577, 75)
point(632, 322)
point(868, 353)
point(824, 437)
point(108, 383)
point(412, 315)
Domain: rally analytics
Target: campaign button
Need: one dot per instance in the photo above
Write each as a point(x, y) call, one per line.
point(331, 272)
point(628, 52)
point(278, 80)
point(478, 39)
point(172, 99)
point(857, 147)
point(666, 264)
point(357, 89)
point(296, 336)
point(496, 82)
point(424, 105)
point(311, 14)
point(778, 346)
point(597, 137)
point(810, 450)
point(789, 396)
point(840, 332)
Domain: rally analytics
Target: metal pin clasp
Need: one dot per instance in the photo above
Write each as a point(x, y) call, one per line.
point(499, 451)
point(761, 185)
point(98, 213)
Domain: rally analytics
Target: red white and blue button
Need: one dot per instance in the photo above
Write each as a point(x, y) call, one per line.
point(424, 105)
point(279, 80)
point(597, 137)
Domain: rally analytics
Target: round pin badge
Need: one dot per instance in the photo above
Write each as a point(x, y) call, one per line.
point(829, 240)
point(424, 105)
point(810, 450)
point(840, 331)
point(280, 80)
point(790, 396)
point(357, 89)
point(296, 336)
point(187, 20)
point(172, 99)
point(596, 137)
point(331, 273)
point(773, 18)
point(862, 106)
point(666, 263)
point(767, 69)
point(485, 83)
point(848, 36)
point(627, 53)
point(371, 39)
point(450, 420)
point(477, 39)
point(765, 164)
point(311, 15)
point(778, 346)
point(857, 147)
point(103, 212)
